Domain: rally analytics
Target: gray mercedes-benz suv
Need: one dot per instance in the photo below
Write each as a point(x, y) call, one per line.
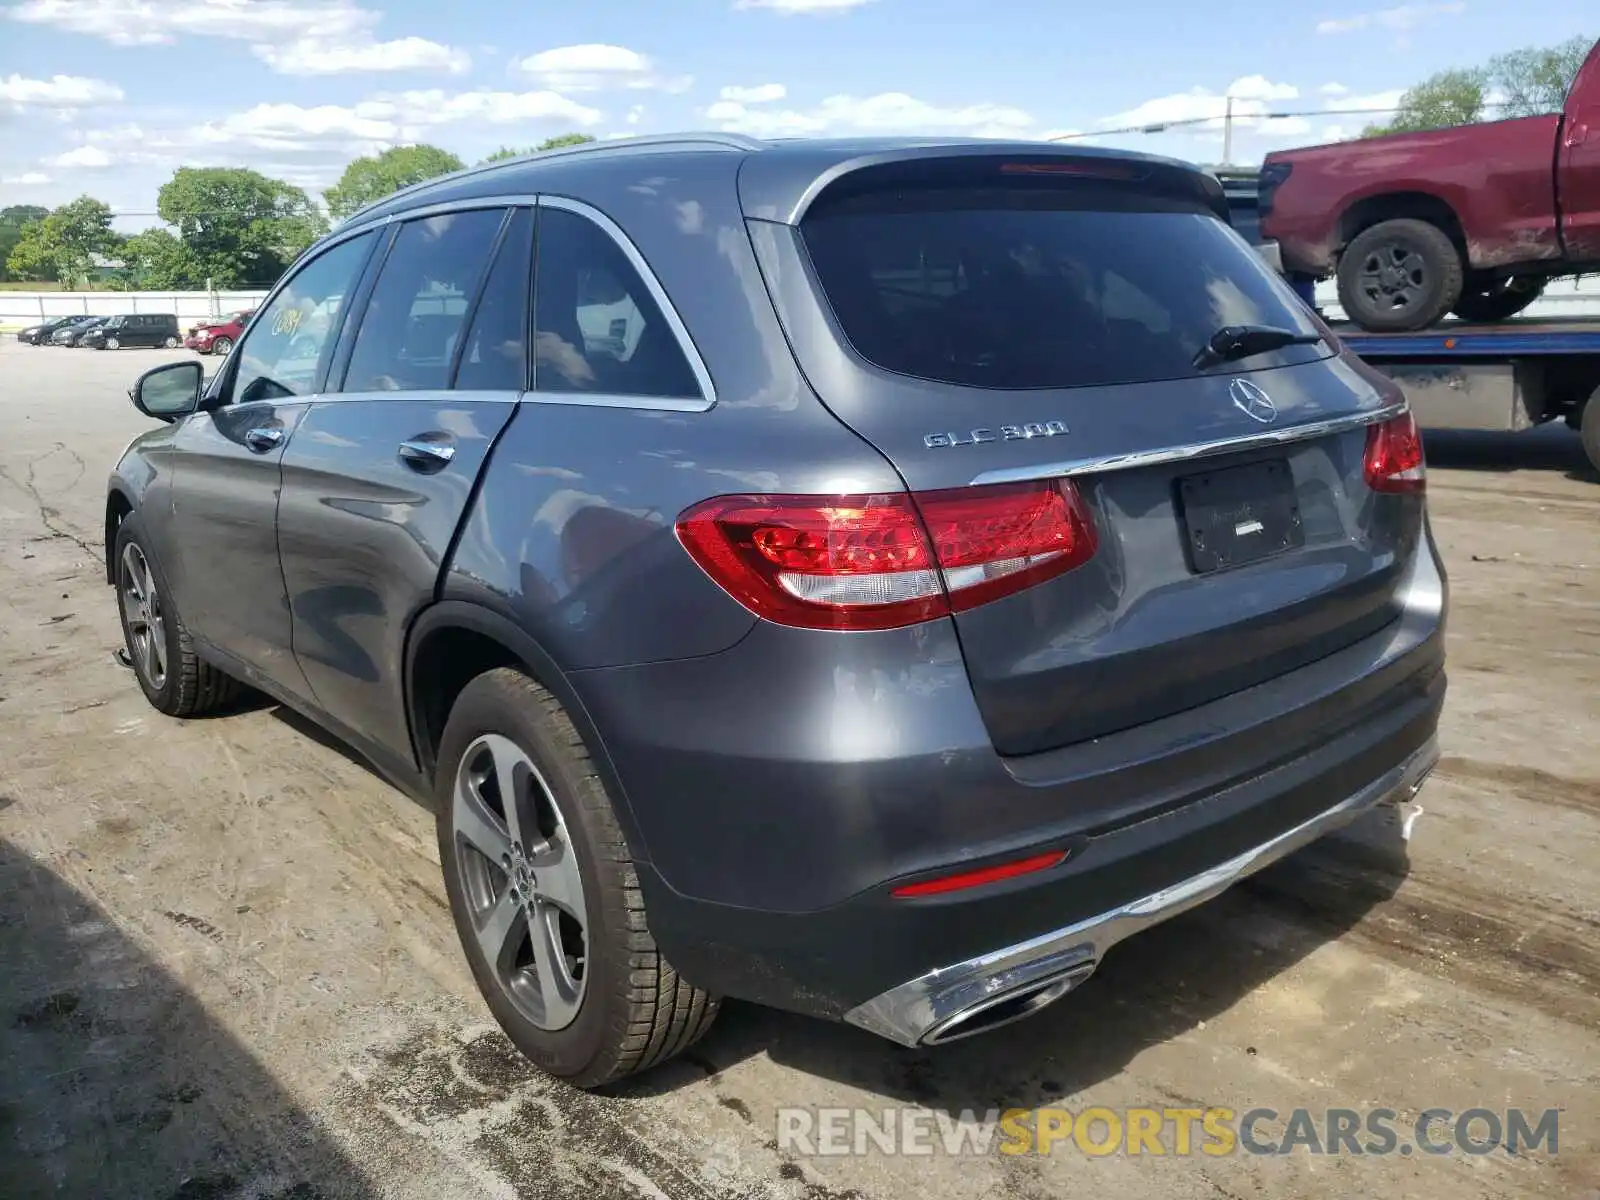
point(869, 578)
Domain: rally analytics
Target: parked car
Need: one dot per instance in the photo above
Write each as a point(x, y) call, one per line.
point(1472, 220)
point(72, 335)
point(962, 556)
point(218, 337)
point(134, 329)
point(35, 335)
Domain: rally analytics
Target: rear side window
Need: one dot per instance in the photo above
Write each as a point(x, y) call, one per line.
point(414, 319)
point(495, 357)
point(1084, 284)
point(597, 327)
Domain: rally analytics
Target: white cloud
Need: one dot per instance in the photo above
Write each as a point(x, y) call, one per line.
point(1374, 104)
point(635, 114)
point(887, 113)
point(59, 92)
point(596, 66)
point(1334, 89)
point(1204, 109)
point(90, 157)
point(791, 7)
point(764, 93)
point(310, 56)
point(1401, 19)
point(373, 125)
point(294, 37)
point(26, 179)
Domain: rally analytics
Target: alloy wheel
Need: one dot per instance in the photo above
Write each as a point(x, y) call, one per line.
point(1395, 276)
point(520, 880)
point(141, 609)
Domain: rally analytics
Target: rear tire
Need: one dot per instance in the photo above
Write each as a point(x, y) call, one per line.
point(176, 680)
point(602, 1003)
point(171, 343)
point(1499, 299)
point(1399, 276)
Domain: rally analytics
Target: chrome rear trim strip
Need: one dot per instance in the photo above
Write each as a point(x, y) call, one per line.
point(909, 1013)
point(1172, 454)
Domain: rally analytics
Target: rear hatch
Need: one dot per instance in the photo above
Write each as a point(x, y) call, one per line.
point(988, 320)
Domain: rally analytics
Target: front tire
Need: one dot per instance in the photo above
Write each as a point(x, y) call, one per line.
point(1400, 276)
point(221, 346)
point(1499, 299)
point(172, 676)
point(544, 894)
point(112, 343)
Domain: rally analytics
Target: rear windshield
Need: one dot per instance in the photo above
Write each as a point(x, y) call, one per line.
point(1073, 286)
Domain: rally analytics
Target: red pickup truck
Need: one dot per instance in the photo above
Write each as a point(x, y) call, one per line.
point(1471, 220)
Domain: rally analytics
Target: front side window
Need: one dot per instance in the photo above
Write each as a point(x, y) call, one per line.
point(409, 331)
point(597, 328)
point(281, 356)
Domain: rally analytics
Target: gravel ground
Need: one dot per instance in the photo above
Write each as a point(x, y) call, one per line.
point(226, 968)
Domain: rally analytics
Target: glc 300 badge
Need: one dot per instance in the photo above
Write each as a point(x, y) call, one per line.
point(1001, 433)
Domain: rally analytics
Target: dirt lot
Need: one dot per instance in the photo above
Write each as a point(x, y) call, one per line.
point(226, 968)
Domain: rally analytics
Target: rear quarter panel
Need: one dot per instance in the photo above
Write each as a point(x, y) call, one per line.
point(572, 534)
point(1497, 178)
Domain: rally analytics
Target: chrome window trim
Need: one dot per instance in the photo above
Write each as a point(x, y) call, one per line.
point(708, 395)
point(1172, 454)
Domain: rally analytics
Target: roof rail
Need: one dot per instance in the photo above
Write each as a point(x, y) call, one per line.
point(727, 141)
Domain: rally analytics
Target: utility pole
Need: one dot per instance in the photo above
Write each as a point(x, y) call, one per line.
point(1227, 133)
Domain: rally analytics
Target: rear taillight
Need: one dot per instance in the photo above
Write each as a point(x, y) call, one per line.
point(888, 560)
point(1394, 460)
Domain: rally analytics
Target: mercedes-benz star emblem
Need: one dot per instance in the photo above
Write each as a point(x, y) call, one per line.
point(1252, 401)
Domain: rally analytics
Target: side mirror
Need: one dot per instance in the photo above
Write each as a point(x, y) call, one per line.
point(169, 391)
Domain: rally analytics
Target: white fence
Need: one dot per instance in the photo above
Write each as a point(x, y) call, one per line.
point(19, 308)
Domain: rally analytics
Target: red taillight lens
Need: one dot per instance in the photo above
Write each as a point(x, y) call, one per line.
point(983, 875)
point(1394, 460)
point(888, 560)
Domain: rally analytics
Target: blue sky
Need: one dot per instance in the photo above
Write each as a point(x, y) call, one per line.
point(109, 96)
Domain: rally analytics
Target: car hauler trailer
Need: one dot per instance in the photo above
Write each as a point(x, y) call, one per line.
point(1511, 375)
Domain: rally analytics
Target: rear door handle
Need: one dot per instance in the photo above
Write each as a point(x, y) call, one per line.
point(263, 438)
point(426, 452)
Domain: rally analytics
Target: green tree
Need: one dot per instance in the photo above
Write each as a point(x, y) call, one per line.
point(376, 176)
point(62, 244)
point(239, 228)
point(156, 258)
point(12, 220)
point(1438, 102)
point(555, 143)
point(1535, 80)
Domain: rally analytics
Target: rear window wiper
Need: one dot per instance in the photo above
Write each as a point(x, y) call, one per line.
point(1233, 342)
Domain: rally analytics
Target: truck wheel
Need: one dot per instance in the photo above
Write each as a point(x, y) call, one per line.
point(544, 893)
point(1498, 299)
point(1399, 276)
point(1589, 429)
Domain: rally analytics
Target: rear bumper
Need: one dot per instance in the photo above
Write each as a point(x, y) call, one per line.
point(782, 789)
point(950, 1001)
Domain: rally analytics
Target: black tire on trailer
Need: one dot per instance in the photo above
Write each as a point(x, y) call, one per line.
point(1497, 299)
point(1399, 276)
point(176, 680)
point(549, 913)
point(1589, 429)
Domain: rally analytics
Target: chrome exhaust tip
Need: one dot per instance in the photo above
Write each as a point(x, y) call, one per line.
point(1007, 1007)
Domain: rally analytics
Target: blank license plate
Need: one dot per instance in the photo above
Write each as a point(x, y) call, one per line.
point(1240, 515)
